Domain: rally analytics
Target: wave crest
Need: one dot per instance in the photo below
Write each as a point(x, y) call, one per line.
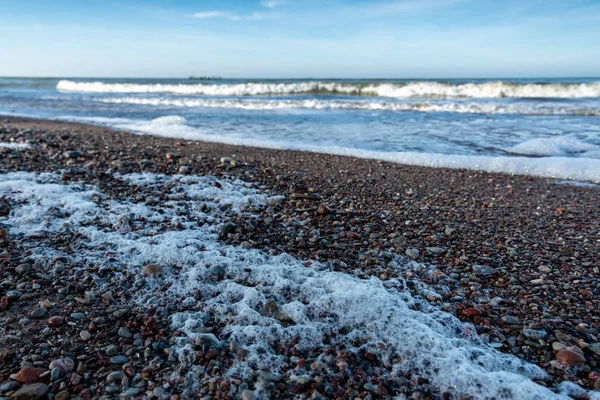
point(397, 90)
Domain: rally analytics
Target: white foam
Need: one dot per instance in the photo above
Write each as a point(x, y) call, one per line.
point(556, 146)
point(414, 89)
point(463, 108)
point(15, 146)
point(373, 312)
point(581, 168)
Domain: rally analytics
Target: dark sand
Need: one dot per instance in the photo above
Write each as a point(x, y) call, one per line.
point(542, 239)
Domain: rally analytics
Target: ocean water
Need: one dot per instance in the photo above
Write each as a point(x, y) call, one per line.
point(545, 127)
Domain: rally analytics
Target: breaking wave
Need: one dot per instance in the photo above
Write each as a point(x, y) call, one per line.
point(497, 89)
point(467, 108)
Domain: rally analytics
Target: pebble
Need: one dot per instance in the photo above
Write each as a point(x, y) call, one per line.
point(55, 374)
point(72, 154)
point(509, 319)
point(66, 364)
point(557, 346)
point(32, 391)
point(28, 374)
point(484, 270)
point(595, 348)
point(111, 350)
point(115, 377)
point(119, 359)
point(534, 334)
point(13, 295)
point(39, 313)
point(248, 395)
point(77, 315)
point(8, 386)
point(412, 253)
point(56, 321)
point(124, 332)
point(85, 335)
point(23, 268)
point(570, 356)
point(88, 298)
point(152, 270)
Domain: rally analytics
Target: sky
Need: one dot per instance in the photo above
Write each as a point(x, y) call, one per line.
point(300, 38)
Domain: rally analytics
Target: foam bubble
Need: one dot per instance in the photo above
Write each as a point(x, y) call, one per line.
point(382, 316)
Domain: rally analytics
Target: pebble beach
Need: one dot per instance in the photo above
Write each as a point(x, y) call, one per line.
point(500, 271)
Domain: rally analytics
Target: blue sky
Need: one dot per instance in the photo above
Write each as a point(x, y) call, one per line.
point(300, 38)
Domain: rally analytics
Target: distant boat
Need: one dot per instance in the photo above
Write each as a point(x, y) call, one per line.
point(205, 78)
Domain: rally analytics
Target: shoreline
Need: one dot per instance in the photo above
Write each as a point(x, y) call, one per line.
point(540, 237)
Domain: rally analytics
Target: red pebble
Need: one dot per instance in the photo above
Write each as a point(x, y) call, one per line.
point(56, 321)
point(471, 312)
point(28, 374)
point(570, 356)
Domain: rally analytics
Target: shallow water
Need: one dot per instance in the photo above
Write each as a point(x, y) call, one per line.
point(386, 119)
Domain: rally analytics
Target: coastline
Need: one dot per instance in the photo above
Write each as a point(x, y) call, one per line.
point(540, 237)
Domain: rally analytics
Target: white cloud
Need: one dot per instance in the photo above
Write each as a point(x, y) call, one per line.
point(256, 16)
point(272, 3)
point(210, 14)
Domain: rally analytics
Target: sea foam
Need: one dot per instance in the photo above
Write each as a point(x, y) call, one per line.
point(561, 167)
point(406, 90)
point(316, 104)
point(382, 316)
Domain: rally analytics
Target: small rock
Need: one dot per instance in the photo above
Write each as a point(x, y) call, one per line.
point(558, 346)
point(28, 374)
point(63, 395)
point(124, 332)
point(56, 321)
point(88, 298)
point(484, 270)
point(152, 270)
point(55, 374)
point(13, 295)
point(31, 392)
point(570, 356)
point(66, 365)
point(248, 395)
point(111, 350)
point(85, 335)
point(509, 319)
point(435, 250)
point(78, 316)
point(119, 359)
point(72, 154)
point(23, 268)
point(534, 334)
point(449, 231)
point(595, 348)
point(184, 169)
point(39, 313)
point(412, 253)
point(115, 377)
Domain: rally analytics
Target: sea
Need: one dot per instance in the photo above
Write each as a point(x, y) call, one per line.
point(543, 127)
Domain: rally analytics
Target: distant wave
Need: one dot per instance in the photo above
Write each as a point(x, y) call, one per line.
point(354, 105)
point(413, 89)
